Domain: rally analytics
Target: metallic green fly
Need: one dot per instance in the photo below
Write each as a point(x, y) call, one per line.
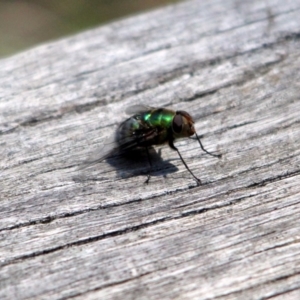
point(149, 126)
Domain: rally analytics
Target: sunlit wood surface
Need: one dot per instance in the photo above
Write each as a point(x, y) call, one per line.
point(101, 233)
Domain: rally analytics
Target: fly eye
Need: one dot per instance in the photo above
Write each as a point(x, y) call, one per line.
point(177, 123)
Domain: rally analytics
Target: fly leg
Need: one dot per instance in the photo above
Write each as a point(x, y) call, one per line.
point(215, 155)
point(150, 163)
point(174, 148)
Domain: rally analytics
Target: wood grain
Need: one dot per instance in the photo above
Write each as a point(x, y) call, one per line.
point(101, 233)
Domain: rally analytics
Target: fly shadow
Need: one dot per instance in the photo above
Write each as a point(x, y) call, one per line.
point(135, 162)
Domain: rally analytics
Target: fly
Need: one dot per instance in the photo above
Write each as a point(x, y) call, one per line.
point(149, 126)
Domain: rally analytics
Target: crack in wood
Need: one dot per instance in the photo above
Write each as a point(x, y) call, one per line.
point(83, 241)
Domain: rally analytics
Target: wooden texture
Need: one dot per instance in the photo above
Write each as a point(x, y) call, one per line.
point(101, 233)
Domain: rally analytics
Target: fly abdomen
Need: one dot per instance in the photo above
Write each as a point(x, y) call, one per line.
point(130, 132)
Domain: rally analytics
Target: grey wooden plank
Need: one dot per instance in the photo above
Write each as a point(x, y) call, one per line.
point(247, 246)
point(101, 232)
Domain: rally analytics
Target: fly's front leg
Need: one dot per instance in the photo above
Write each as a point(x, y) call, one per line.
point(171, 144)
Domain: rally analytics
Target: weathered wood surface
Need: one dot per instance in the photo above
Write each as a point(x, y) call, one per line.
point(235, 66)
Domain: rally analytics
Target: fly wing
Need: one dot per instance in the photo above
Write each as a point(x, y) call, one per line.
point(132, 133)
point(114, 146)
point(138, 140)
point(109, 148)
